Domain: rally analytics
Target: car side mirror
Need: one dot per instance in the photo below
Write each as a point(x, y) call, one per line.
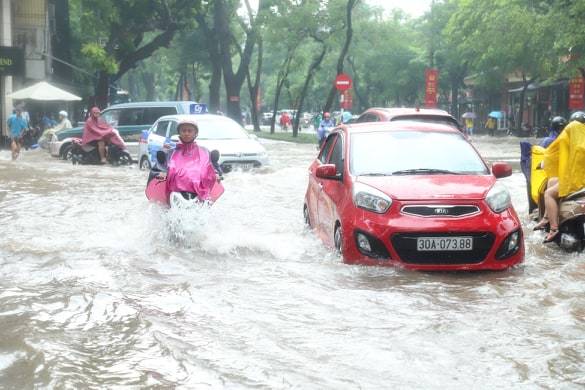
point(161, 158)
point(501, 169)
point(327, 171)
point(175, 138)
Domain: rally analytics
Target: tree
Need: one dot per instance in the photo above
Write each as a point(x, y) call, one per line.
point(504, 37)
point(116, 34)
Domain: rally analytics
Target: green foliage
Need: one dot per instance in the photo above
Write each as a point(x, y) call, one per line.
point(98, 56)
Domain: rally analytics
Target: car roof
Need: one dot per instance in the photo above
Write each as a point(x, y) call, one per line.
point(152, 104)
point(406, 125)
point(399, 111)
point(196, 117)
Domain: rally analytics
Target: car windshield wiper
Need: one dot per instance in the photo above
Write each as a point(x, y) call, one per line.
point(374, 174)
point(425, 171)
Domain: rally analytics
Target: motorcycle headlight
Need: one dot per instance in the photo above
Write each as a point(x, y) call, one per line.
point(498, 198)
point(370, 199)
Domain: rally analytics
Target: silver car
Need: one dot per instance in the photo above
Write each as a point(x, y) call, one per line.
point(237, 148)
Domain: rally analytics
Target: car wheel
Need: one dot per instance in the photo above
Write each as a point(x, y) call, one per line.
point(306, 216)
point(145, 164)
point(67, 153)
point(338, 239)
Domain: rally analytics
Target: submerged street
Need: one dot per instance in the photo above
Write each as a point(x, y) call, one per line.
point(100, 289)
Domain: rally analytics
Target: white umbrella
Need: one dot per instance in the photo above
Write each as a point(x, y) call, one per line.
point(43, 91)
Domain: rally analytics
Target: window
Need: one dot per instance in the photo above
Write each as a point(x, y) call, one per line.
point(151, 114)
point(111, 117)
point(132, 117)
point(337, 155)
point(161, 128)
point(368, 118)
point(325, 151)
point(396, 152)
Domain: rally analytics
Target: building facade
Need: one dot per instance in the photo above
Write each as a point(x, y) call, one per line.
point(26, 33)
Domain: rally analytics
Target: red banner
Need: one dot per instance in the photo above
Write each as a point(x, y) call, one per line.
point(576, 92)
point(431, 87)
point(346, 100)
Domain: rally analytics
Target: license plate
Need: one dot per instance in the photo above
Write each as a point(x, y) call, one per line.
point(444, 244)
point(245, 166)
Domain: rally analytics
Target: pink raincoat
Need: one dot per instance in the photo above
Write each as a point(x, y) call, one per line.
point(96, 129)
point(190, 170)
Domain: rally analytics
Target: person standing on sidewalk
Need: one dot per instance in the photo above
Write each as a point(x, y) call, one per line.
point(17, 125)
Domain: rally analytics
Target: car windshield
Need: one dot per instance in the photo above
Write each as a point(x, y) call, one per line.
point(413, 152)
point(219, 128)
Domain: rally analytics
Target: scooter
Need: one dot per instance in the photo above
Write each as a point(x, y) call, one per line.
point(89, 154)
point(156, 189)
point(571, 235)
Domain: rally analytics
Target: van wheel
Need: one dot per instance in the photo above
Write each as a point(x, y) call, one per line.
point(338, 239)
point(145, 164)
point(67, 152)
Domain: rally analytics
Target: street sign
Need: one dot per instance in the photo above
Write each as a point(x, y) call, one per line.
point(431, 84)
point(11, 61)
point(346, 100)
point(576, 93)
point(342, 82)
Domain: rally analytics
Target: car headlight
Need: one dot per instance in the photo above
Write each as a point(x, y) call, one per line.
point(498, 198)
point(370, 199)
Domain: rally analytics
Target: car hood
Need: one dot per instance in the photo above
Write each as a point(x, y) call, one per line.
point(233, 147)
point(425, 187)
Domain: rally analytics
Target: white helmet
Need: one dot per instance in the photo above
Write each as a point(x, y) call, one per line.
point(63, 113)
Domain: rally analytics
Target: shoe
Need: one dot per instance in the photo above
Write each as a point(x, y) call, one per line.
point(551, 236)
point(542, 225)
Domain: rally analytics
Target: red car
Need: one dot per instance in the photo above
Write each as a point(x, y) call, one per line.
point(412, 194)
point(430, 115)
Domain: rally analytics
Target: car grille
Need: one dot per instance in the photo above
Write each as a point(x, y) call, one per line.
point(405, 246)
point(440, 210)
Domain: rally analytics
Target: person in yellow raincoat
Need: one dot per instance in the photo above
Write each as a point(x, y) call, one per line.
point(564, 159)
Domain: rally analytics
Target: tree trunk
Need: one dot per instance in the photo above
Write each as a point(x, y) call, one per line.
point(148, 79)
point(344, 50)
point(213, 50)
point(362, 100)
point(280, 81)
point(525, 84)
point(102, 89)
point(311, 72)
point(232, 80)
point(255, 89)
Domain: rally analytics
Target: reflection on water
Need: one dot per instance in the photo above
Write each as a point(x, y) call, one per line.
point(100, 289)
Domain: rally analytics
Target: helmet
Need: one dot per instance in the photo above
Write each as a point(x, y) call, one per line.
point(558, 123)
point(63, 113)
point(326, 115)
point(187, 122)
point(577, 116)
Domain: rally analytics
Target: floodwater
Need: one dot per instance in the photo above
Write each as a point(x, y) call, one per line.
point(100, 289)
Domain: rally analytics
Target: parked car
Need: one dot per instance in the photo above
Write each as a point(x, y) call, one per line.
point(412, 194)
point(381, 114)
point(237, 148)
point(266, 118)
point(129, 119)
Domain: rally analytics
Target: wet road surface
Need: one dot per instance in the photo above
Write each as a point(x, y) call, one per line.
point(100, 289)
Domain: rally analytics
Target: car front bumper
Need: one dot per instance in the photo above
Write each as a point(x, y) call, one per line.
point(394, 241)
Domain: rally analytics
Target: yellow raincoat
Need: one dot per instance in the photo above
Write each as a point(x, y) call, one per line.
point(565, 159)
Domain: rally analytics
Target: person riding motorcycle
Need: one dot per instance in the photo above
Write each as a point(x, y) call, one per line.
point(96, 130)
point(564, 164)
point(324, 127)
point(190, 169)
point(557, 124)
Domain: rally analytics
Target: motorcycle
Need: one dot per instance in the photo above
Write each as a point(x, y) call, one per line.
point(156, 189)
point(571, 235)
point(89, 154)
